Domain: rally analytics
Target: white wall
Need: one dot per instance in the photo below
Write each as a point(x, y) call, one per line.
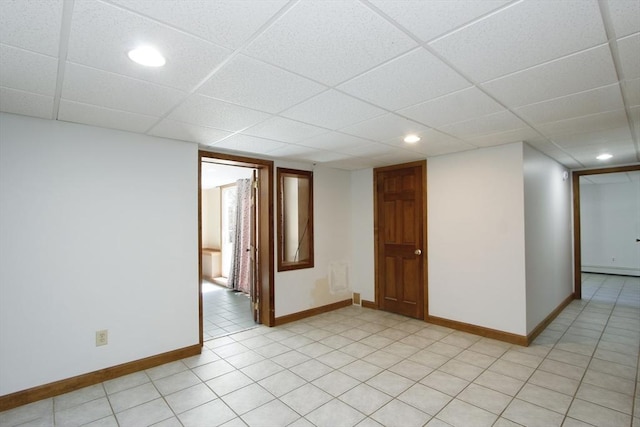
point(211, 218)
point(610, 223)
point(98, 231)
point(362, 238)
point(299, 290)
point(476, 238)
point(547, 213)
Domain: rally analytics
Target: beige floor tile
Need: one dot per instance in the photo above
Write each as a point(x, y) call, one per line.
point(335, 413)
point(282, 383)
point(335, 383)
point(305, 399)
point(499, 382)
point(597, 415)
point(609, 382)
point(607, 398)
point(399, 414)
point(390, 383)
point(477, 359)
point(247, 398)
point(511, 369)
point(275, 413)
point(144, 415)
point(361, 370)
point(461, 414)
point(411, 370)
point(425, 398)
point(485, 398)
point(189, 398)
point(554, 382)
point(229, 382)
point(560, 368)
point(365, 399)
point(133, 397)
point(445, 383)
point(546, 398)
point(531, 415)
point(213, 413)
point(460, 369)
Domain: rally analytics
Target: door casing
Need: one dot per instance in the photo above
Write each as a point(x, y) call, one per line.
point(264, 239)
point(577, 248)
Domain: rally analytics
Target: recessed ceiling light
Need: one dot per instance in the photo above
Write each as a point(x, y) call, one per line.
point(605, 156)
point(411, 139)
point(147, 56)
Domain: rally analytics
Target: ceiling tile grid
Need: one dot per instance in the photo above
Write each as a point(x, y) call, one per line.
point(339, 82)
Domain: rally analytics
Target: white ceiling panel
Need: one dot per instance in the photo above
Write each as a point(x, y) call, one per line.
point(631, 89)
point(607, 98)
point(333, 110)
point(608, 178)
point(28, 71)
point(31, 24)
point(254, 84)
point(216, 21)
point(430, 19)
point(412, 78)
point(587, 154)
point(523, 35)
point(590, 123)
point(330, 41)
point(349, 78)
point(91, 86)
point(611, 137)
point(334, 141)
point(249, 143)
point(440, 147)
point(385, 127)
point(188, 132)
point(629, 48)
point(368, 149)
point(576, 73)
point(26, 103)
point(104, 117)
point(102, 35)
point(490, 140)
point(286, 130)
point(456, 107)
point(625, 16)
point(502, 121)
point(209, 112)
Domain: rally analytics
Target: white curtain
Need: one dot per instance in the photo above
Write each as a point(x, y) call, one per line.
point(240, 271)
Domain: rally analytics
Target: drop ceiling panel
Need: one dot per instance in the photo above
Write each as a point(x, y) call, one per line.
point(430, 19)
point(102, 35)
point(249, 144)
point(625, 16)
point(321, 156)
point(611, 137)
point(439, 147)
point(493, 123)
point(26, 103)
point(410, 79)
point(606, 178)
point(607, 98)
point(385, 127)
point(590, 123)
point(333, 110)
point(330, 41)
point(587, 155)
point(188, 132)
point(522, 35)
point(396, 157)
point(254, 84)
point(524, 134)
point(216, 21)
point(631, 89)
point(286, 130)
point(292, 151)
point(368, 149)
point(459, 106)
point(334, 141)
point(629, 48)
point(209, 112)
point(31, 25)
point(71, 111)
point(28, 71)
point(96, 87)
point(576, 73)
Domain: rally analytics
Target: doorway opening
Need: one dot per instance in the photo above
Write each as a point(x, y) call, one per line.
point(597, 175)
point(235, 219)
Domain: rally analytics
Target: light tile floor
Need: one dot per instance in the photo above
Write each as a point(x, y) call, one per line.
point(224, 311)
point(363, 367)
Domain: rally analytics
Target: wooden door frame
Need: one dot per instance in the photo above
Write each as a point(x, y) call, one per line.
point(376, 232)
point(265, 275)
point(577, 248)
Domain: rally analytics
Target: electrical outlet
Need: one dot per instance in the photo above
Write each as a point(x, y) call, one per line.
point(102, 337)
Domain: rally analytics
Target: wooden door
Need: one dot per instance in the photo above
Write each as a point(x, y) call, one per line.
point(400, 229)
point(253, 249)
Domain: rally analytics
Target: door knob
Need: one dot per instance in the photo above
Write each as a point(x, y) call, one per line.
point(417, 252)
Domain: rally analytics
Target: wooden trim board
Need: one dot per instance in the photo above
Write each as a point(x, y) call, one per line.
point(542, 325)
point(479, 330)
point(369, 304)
point(312, 312)
point(56, 388)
